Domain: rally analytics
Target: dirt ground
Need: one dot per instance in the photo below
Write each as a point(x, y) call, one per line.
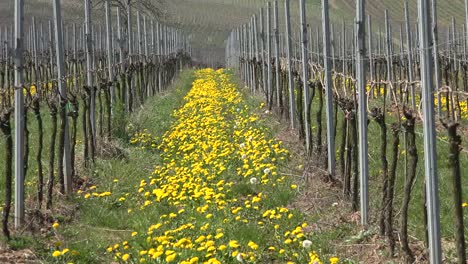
point(8, 256)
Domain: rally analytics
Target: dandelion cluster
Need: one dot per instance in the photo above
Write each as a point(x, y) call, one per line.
point(214, 189)
point(145, 140)
point(93, 193)
point(462, 106)
point(64, 253)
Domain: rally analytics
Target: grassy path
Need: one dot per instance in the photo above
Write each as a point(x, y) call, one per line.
point(201, 186)
point(104, 219)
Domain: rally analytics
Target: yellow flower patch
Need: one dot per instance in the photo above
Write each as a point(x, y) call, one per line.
point(213, 193)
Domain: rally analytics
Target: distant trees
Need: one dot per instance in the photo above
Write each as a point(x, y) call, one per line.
point(153, 8)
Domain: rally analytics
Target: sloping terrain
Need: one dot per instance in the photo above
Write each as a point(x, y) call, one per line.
point(210, 21)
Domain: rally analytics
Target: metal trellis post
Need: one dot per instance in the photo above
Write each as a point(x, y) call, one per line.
point(430, 154)
point(19, 114)
point(328, 88)
point(361, 86)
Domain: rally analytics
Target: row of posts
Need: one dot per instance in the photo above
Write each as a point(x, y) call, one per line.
point(253, 42)
point(165, 41)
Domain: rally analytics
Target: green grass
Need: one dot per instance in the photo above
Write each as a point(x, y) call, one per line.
point(345, 231)
point(31, 177)
point(101, 224)
point(98, 225)
point(92, 232)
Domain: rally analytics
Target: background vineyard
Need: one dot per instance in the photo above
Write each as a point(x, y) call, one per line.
point(201, 31)
point(259, 50)
point(210, 21)
point(78, 86)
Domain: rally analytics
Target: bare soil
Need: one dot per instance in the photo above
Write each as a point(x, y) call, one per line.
point(8, 256)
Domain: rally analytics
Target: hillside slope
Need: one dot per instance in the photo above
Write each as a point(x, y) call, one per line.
point(210, 21)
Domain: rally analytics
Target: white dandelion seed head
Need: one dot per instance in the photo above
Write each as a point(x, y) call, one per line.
point(267, 170)
point(238, 109)
point(239, 258)
point(244, 156)
point(335, 204)
point(242, 145)
point(306, 243)
point(253, 180)
point(267, 112)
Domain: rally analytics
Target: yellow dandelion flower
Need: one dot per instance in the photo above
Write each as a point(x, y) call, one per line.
point(125, 257)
